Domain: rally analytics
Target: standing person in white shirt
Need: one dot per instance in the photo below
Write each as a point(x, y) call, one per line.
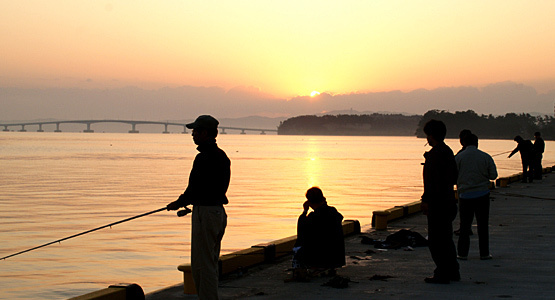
point(476, 169)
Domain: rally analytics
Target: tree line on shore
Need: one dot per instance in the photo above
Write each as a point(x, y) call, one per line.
point(485, 126)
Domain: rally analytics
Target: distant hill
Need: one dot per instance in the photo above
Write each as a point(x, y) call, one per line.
point(374, 124)
point(485, 126)
point(491, 127)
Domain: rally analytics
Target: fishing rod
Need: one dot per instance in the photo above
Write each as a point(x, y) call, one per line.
point(179, 214)
point(502, 153)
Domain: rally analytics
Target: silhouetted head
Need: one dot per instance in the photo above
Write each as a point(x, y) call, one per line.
point(518, 139)
point(462, 135)
point(471, 140)
point(205, 128)
point(436, 129)
point(314, 195)
point(537, 134)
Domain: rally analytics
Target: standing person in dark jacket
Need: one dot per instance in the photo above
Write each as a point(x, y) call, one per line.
point(539, 148)
point(206, 191)
point(526, 149)
point(439, 203)
point(319, 234)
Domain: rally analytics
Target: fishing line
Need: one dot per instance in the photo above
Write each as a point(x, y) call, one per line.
point(179, 214)
point(523, 196)
point(502, 153)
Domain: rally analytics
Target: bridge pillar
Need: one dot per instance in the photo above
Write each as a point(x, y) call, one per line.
point(40, 128)
point(262, 132)
point(6, 128)
point(133, 128)
point(243, 131)
point(223, 131)
point(166, 128)
point(184, 129)
point(88, 128)
point(22, 129)
point(57, 128)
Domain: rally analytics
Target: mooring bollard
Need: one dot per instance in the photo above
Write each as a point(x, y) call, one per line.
point(380, 219)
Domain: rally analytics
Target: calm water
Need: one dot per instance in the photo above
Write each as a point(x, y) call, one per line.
point(54, 185)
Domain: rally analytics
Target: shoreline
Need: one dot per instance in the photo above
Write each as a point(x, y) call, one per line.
point(267, 272)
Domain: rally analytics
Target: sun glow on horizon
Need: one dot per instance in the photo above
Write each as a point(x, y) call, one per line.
point(314, 94)
point(91, 44)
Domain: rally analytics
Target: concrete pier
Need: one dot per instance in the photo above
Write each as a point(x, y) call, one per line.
point(522, 242)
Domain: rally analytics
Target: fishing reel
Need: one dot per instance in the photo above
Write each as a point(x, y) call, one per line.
point(184, 212)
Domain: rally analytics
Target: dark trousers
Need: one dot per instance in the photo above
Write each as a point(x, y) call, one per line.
point(468, 208)
point(528, 170)
point(440, 240)
point(538, 166)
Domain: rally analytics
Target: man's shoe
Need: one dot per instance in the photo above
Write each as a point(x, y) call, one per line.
point(436, 280)
point(487, 257)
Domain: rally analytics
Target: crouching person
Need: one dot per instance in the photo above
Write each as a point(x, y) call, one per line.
point(320, 245)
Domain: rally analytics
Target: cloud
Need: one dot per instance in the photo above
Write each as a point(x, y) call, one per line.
point(187, 102)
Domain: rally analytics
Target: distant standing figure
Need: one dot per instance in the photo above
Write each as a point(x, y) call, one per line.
point(476, 169)
point(319, 234)
point(462, 135)
point(526, 150)
point(439, 203)
point(539, 148)
point(206, 191)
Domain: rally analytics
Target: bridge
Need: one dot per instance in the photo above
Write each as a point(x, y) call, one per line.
point(133, 124)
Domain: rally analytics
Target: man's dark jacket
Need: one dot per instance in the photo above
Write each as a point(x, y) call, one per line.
point(209, 178)
point(320, 236)
point(440, 175)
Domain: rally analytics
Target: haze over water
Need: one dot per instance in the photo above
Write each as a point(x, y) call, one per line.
point(57, 184)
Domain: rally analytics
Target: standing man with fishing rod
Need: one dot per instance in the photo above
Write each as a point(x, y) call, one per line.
point(206, 191)
point(527, 155)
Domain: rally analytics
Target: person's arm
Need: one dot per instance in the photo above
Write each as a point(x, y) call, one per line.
point(175, 205)
point(514, 151)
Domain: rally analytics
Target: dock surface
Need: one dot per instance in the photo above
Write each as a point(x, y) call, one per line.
point(522, 242)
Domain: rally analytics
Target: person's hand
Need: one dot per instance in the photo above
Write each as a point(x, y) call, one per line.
point(306, 206)
point(173, 206)
point(424, 208)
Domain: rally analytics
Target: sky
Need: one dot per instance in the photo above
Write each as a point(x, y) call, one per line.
point(278, 49)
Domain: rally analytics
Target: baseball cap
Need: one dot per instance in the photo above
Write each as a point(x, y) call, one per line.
point(204, 121)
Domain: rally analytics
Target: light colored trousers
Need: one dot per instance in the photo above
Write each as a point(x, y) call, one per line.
point(208, 227)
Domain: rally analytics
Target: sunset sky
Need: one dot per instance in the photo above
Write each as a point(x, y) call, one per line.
point(283, 48)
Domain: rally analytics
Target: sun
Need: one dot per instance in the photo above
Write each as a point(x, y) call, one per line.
point(314, 94)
